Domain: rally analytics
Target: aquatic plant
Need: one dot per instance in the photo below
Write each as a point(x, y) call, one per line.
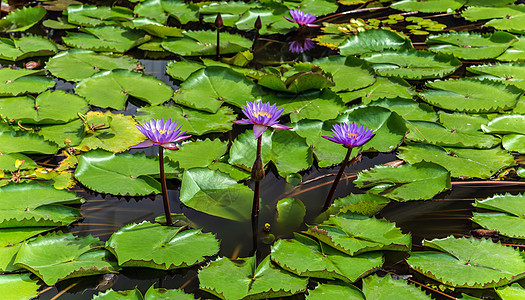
point(302, 19)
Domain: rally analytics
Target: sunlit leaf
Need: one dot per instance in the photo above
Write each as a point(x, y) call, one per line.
point(196, 43)
point(374, 40)
point(26, 46)
point(382, 288)
point(428, 6)
point(198, 154)
point(21, 19)
point(91, 15)
point(384, 87)
point(507, 214)
point(290, 212)
point(14, 82)
point(18, 286)
point(343, 68)
point(106, 39)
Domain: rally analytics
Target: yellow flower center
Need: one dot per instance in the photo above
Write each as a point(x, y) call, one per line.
point(262, 113)
point(352, 135)
point(162, 131)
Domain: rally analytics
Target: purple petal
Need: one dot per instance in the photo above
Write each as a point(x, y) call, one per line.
point(280, 126)
point(258, 130)
point(181, 138)
point(170, 146)
point(145, 144)
point(243, 122)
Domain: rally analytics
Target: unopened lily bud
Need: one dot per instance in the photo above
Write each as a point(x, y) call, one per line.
point(258, 23)
point(258, 170)
point(218, 21)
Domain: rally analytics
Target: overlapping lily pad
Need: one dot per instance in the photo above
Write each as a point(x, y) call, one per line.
point(87, 63)
point(374, 40)
point(58, 256)
point(408, 109)
point(8, 162)
point(195, 43)
point(508, 218)
point(375, 287)
point(472, 96)
point(21, 19)
point(353, 234)
point(428, 6)
point(313, 79)
point(25, 142)
point(335, 290)
point(36, 206)
point(305, 257)
point(384, 87)
point(18, 286)
point(508, 17)
point(197, 154)
point(341, 68)
point(10, 241)
point(112, 89)
point(161, 247)
point(419, 181)
point(91, 15)
point(469, 262)
point(119, 174)
point(14, 82)
point(244, 279)
point(412, 64)
point(24, 47)
point(106, 39)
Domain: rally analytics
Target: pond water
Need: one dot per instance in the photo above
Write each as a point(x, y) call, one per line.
point(447, 213)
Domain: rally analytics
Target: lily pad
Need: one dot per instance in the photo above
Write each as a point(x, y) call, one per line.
point(428, 6)
point(181, 70)
point(511, 292)
point(384, 87)
point(209, 88)
point(412, 64)
point(508, 17)
point(272, 20)
point(353, 234)
point(36, 206)
point(468, 45)
point(91, 15)
point(119, 295)
point(305, 257)
point(509, 217)
point(462, 122)
point(287, 150)
point(195, 43)
point(14, 82)
point(216, 193)
point(472, 96)
point(419, 181)
point(460, 162)
point(364, 204)
point(514, 143)
point(197, 154)
point(335, 290)
point(106, 39)
point(375, 287)
point(58, 256)
point(342, 68)
point(434, 133)
point(112, 88)
point(48, 108)
point(24, 47)
point(469, 262)
point(194, 121)
point(156, 29)
point(119, 174)
point(290, 212)
point(374, 40)
point(8, 161)
point(25, 142)
point(408, 109)
point(161, 247)
point(87, 63)
point(10, 242)
point(18, 286)
point(21, 19)
point(505, 125)
point(244, 279)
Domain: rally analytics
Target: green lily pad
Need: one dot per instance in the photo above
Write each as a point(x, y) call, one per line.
point(7, 162)
point(197, 154)
point(374, 40)
point(119, 174)
point(58, 256)
point(434, 133)
point(353, 234)
point(472, 96)
point(342, 68)
point(10, 242)
point(156, 29)
point(469, 262)
point(290, 212)
point(21, 19)
point(335, 290)
point(48, 108)
point(162, 293)
point(514, 143)
point(152, 9)
point(419, 181)
point(117, 135)
point(87, 63)
point(25, 142)
point(412, 64)
point(408, 109)
point(91, 15)
point(375, 287)
point(106, 39)
point(119, 295)
point(193, 121)
point(509, 217)
point(216, 193)
point(74, 131)
point(112, 89)
point(36, 206)
point(24, 47)
point(514, 53)
point(230, 11)
point(14, 82)
point(506, 124)
point(195, 43)
point(468, 45)
point(305, 257)
point(462, 122)
point(460, 162)
point(364, 204)
point(209, 88)
point(18, 286)
point(314, 79)
point(180, 10)
point(161, 247)
point(287, 150)
point(272, 20)
point(181, 70)
point(317, 105)
point(511, 292)
point(60, 23)
point(428, 6)
point(244, 279)
point(384, 87)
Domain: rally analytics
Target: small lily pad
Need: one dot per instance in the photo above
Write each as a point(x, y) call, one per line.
point(509, 215)
point(195, 43)
point(374, 40)
point(21, 19)
point(24, 47)
point(18, 286)
point(14, 82)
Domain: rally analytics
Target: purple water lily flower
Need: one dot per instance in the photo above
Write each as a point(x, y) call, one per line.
point(301, 46)
point(302, 18)
point(164, 134)
point(350, 135)
point(262, 116)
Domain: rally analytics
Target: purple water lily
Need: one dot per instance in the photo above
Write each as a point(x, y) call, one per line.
point(302, 18)
point(164, 134)
point(262, 116)
point(350, 135)
point(301, 46)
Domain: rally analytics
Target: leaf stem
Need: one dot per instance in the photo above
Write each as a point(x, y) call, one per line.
point(165, 198)
point(328, 200)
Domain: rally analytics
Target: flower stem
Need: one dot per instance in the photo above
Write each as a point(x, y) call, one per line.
point(257, 176)
point(328, 200)
point(167, 211)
